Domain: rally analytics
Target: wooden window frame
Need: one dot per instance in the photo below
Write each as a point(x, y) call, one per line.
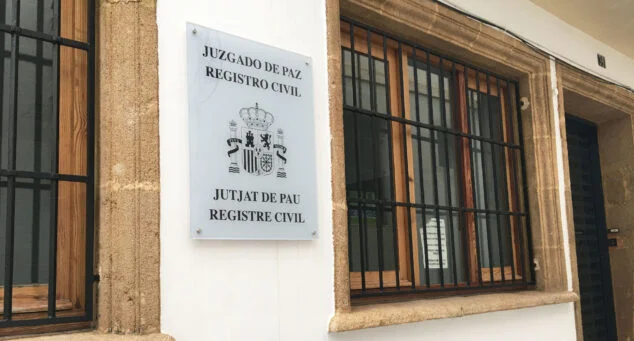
point(72, 184)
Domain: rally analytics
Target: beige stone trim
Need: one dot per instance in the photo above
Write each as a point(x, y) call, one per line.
point(371, 316)
point(591, 87)
point(339, 205)
point(568, 196)
point(95, 336)
point(432, 25)
point(127, 220)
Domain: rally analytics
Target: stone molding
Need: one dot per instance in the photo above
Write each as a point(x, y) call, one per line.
point(127, 224)
point(96, 336)
point(598, 90)
point(388, 314)
point(432, 25)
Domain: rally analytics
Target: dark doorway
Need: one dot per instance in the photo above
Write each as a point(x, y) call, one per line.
point(593, 260)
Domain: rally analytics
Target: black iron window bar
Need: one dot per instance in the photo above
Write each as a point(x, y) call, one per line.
point(10, 174)
point(496, 185)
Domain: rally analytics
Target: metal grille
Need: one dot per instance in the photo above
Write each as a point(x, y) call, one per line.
point(435, 182)
point(41, 176)
point(595, 285)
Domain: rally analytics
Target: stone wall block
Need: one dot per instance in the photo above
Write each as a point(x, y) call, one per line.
point(128, 159)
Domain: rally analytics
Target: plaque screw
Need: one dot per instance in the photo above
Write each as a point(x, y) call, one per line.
point(307, 63)
point(314, 233)
point(199, 231)
point(194, 31)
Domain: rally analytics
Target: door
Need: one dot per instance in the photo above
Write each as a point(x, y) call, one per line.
point(593, 261)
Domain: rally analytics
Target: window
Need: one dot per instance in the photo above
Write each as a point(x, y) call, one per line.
point(434, 172)
point(46, 163)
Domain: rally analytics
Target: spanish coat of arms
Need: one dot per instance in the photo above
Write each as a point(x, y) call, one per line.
point(259, 154)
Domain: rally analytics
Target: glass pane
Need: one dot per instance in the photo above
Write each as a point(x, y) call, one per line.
point(478, 122)
point(446, 169)
point(445, 225)
point(38, 15)
point(37, 85)
point(348, 86)
point(33, 205)
point(488, 161)
point(484, 115)
point(6, 12)
point(354, 236)
point(419, 105)
point(380, 89)
point(494, 241)
point(370, 85)
point(495, 120)
point(420, 101)
point(447, 93)
point(32, 231)
point(350, 149)
point(363, 84)
point(73, 111)
point(422, 165)
point(440, 147)
point(373, 229)
point(504, 183)
point(368, 174)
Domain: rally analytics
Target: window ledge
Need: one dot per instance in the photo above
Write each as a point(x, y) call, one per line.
point(96, 336)
point(377, 315)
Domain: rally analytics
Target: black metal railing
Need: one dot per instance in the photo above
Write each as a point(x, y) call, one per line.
point(436, 190)
point(41, 177)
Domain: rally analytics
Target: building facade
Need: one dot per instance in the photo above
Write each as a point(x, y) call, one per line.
point(473, 167)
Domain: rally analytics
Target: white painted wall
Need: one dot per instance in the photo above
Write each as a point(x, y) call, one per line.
point(537, 25)
point(263, 290)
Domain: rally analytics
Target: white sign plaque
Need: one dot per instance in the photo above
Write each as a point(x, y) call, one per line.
point(432, 244)
point(251, 139)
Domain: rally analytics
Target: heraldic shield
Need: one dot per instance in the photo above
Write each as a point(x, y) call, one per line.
point(259, 155)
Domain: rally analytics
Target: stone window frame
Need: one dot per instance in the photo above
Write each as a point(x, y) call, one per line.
point(435, 26)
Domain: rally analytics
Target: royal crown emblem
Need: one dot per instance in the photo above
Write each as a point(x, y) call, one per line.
point(260, 156)
point(256, 118)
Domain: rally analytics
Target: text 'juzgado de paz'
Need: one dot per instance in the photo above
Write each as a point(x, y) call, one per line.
point(226, 74)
